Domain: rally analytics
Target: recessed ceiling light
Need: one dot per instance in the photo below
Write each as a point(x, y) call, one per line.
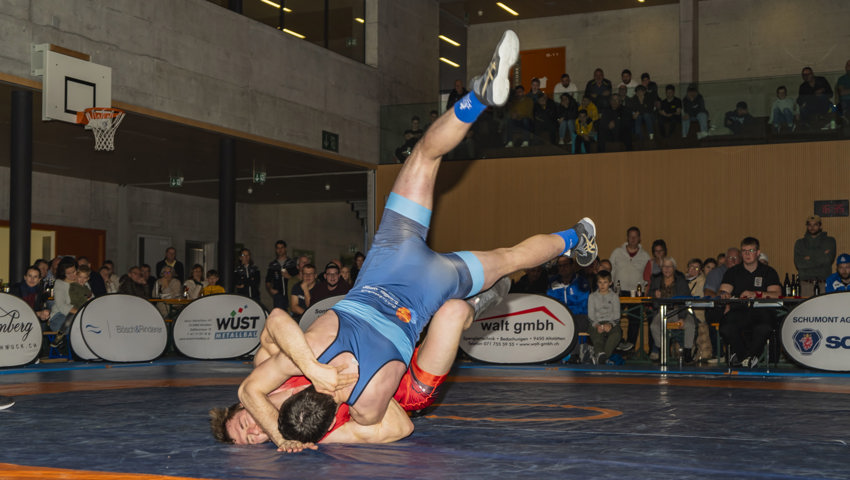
point(359, 20)
point(507, 9)
point(446, 60)
point(294, 34)
point(276, 5)
point(448, 40)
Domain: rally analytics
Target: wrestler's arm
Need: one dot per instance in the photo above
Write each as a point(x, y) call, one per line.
point(394, 426)
point(254, 390)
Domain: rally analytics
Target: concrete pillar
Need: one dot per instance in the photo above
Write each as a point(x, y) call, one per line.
point(20, 191)
point(688, 42)
point(226, 211)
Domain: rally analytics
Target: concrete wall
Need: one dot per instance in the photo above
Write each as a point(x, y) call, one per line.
point(197, 60)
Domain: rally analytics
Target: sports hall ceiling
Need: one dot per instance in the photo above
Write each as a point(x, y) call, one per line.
point(149, 150)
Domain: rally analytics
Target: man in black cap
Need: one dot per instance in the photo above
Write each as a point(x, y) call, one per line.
point(332, 286)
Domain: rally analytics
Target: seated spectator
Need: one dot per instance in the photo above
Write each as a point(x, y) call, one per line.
point(567, 114)
point(743, 328)
point(79, 294)
point(133, 283)
point(653, 266)
point(669, 112)
point(815, 100)
point(643, 110)
point(43, 267)
point(212, 287)
point(842, 94)
point(603, 311)
point(332, 285)
point(195, 284)
point(696, 284)
point(247, 276)
point(840, 280)
point(106, 275)
point(739, 120)
point(693, 110)
point(613, 126)
point(585, 136)
point(534, 281)
point(651, 89)
point(411, 136)
point(167, 287)
point(570, 285)
point(628, 82)
point(456, 94)
point(359, 258)
point(565, 86)
point(31, 291)
point(605, 264)
point(114, 278)
point(432, 117)
point(66, 274)
point(671, 283)
point(345, 274)
point(146, 274)
point(708, 265)
point(534, 92)
point(546, 119)
point(784, 112)
point(520, 118)
point(595, 89)
point(300, 299)
point(95, 282)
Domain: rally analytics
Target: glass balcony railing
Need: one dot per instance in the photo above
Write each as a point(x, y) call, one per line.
point(497, 133)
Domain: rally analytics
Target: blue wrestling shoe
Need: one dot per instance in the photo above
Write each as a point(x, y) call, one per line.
point(493, 87)
point(585, 252)
point(490, 297)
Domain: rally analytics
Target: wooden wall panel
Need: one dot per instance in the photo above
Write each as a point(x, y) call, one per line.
point(701, 201)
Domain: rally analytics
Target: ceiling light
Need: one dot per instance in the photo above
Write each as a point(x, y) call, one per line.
point(448, 40)
point(507, 9)
point(446, 60)
point(294, 34)
point(641, 1)
point(276, 5)
point(359, 20)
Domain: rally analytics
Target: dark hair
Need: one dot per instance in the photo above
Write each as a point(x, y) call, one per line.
point(145, 265)
point(670, 86)
point(280, 242)
point(781, 87)
point(709, 260)
point(640, 88)
point(415, 117)
point(331, 265)
point(626, 71)
point(582, 111)
point(308, 265)
point(633, 228)
point(604, 274)
point(66, 262)
point(566, 75)
point(659, 243)
point(692, 88)
point(359, 254)
point(695, 260)
point(212, 272)
point(535, 79)
point(306, 416)
point(751, 241)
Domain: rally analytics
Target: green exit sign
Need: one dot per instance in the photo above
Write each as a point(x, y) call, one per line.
point(330, 141)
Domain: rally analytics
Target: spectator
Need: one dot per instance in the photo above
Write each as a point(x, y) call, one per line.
point(332, 285)
point(79, 294)
point(299, 264)
point(534, 93)
point(546, 119)
point(696, 284)
point(456, 94)
point(106, 274)
point(66, 274)
point(840, 280)
point(643, 108)
point(693, 110)
point(603, 311)
point(133, 283)
point(613, 126)
point(300, 299)
point(814, 98)
point(146, 275)
point(534, 281)
point(669, 112)
point(51, 272)
point(585, 136)
point(359, 258)
point(715, 277)
point(605, 264)
point(651, 89)
point(345, 274)
point(520, 117)
point(567, 114)
point(171, 261)
point(31, 291)
point(628, 82)
point(411, 136)
point(653, 266)
point(743, 328)
point(783, 112)
point(842, 94)
point(739, 120)
point(813, 256)
point(212, 287)
point(627, 264)
point(594, 91)
point(167, 287)
point(570, 285)
point(565, 86)
point(43, 267)
point(96, 283)
point(671, 283)
point(195, 284)
point(763, 258)
point(432, 117)
point(247, 276)
point(721, 258)
point(280, 270)
point(708, 265)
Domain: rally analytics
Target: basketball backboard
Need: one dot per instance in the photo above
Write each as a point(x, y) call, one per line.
point(70, 83)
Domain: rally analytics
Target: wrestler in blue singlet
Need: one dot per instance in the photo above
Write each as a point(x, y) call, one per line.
point(400, 287)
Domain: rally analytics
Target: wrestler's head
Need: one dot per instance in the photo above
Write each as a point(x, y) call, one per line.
point(235, 425)
point(306, 416)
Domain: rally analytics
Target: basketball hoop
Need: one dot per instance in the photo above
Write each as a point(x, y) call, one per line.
point(103, 121)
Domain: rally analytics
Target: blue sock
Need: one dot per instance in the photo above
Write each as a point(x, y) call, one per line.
point(570, 239)
point(468, 108)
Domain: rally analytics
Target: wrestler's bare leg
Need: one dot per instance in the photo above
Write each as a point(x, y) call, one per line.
point(439, 348)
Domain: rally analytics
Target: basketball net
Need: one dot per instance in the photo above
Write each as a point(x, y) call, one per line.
point(103, 122)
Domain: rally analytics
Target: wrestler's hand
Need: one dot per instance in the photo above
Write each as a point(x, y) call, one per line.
point(294, 446)
point(328, 379)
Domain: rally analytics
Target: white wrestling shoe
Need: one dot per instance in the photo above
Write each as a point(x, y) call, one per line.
point(6, 402)
point(493, 87)
point(585, 252)
point(490, 297)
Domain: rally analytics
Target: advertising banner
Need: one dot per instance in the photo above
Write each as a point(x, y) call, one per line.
point(78, 345)
point(20, 332)
point(317, 310)
point(219, 326)
point(524, 328)
point(816, 333)
point(123, 328)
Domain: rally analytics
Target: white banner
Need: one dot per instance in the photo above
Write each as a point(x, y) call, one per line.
point(317, 310)
point(524, 328)
point(20, 332)
point(816, 333)
point(219, 326)
point(78, 345)
point(123, 328)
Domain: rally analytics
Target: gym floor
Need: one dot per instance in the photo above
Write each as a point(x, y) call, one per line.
point(149, 421)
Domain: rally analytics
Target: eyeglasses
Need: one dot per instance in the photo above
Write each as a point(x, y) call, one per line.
point(749, 250)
